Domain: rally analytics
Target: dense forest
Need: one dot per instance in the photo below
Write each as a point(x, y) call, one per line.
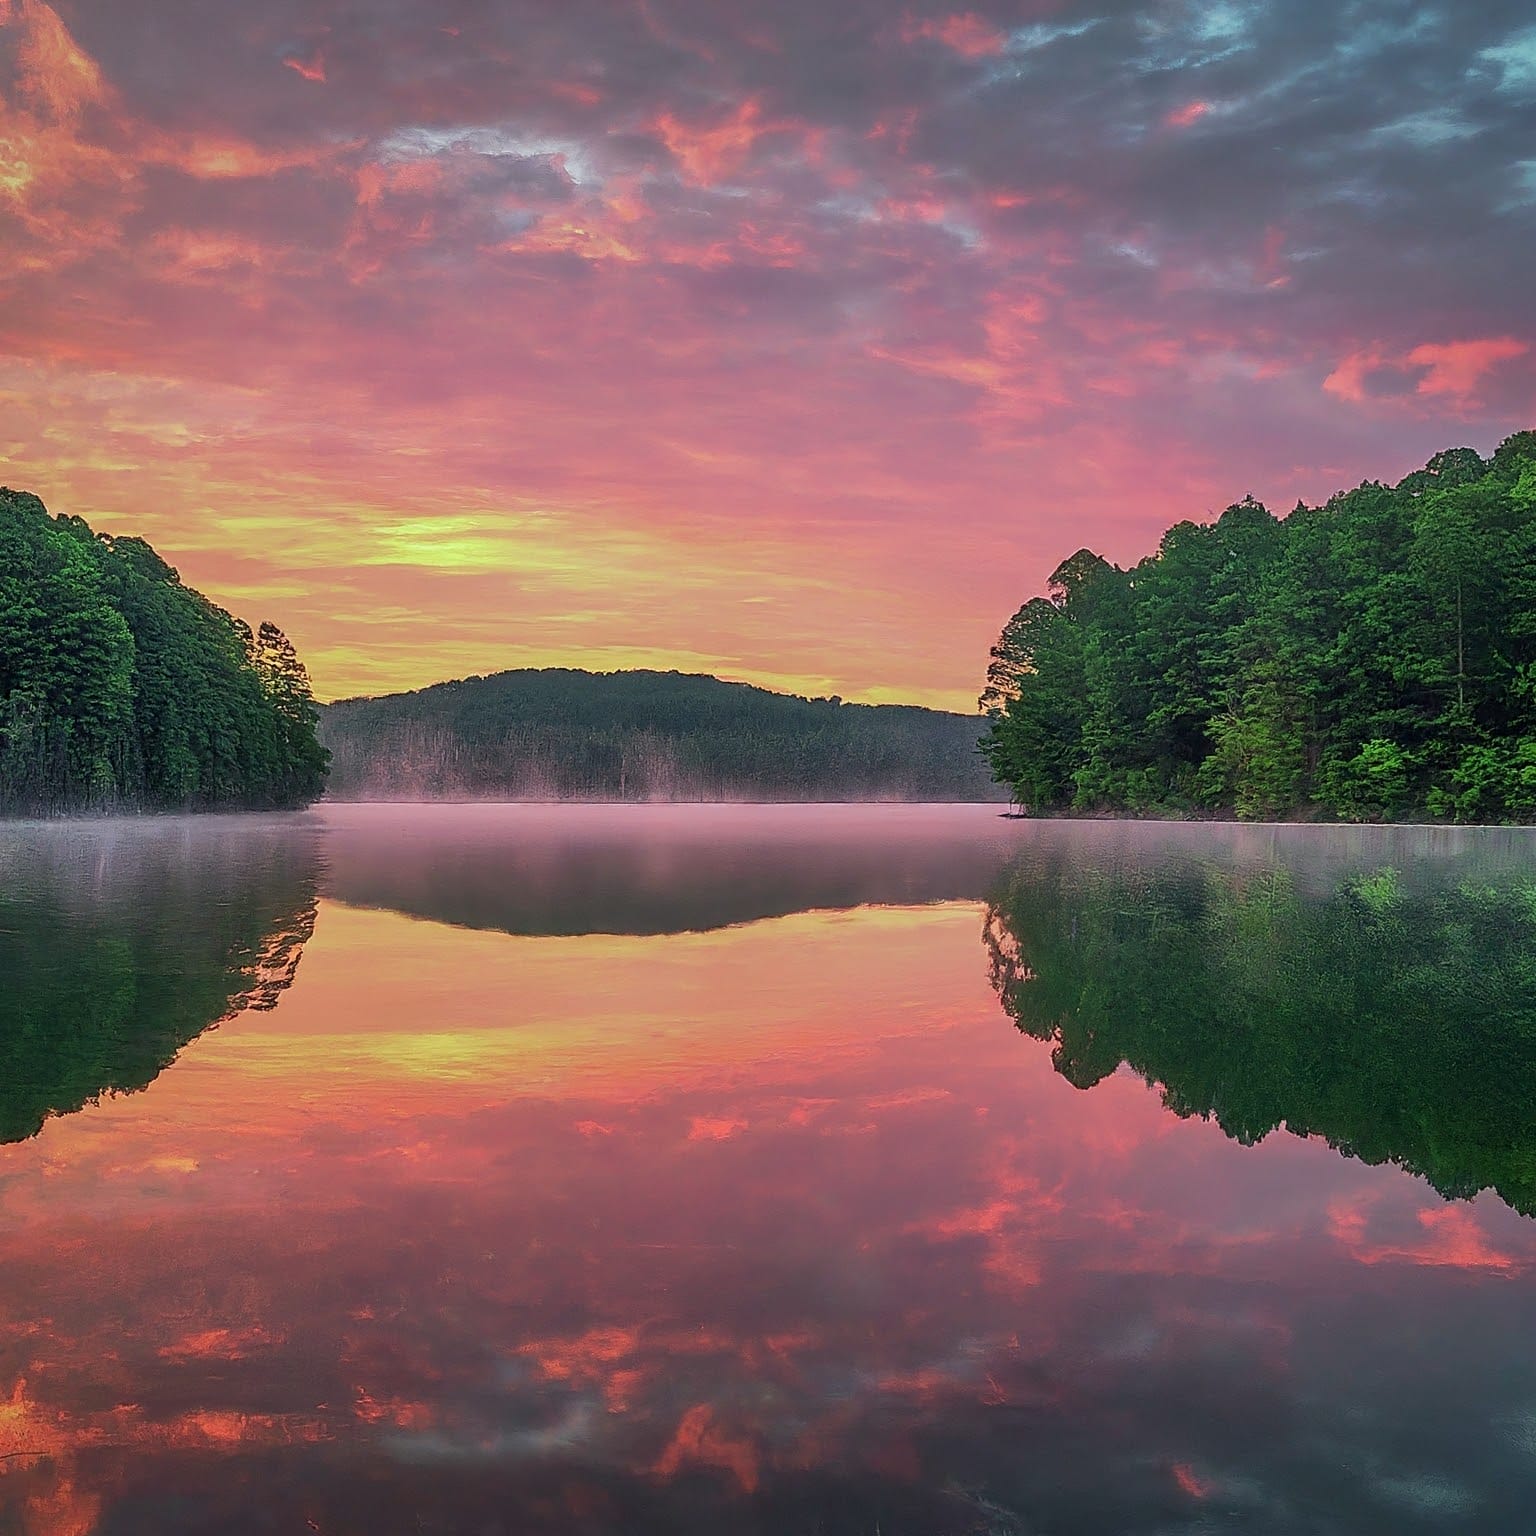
point(125, 942)
point(1370, 659)
point(120, 688)
point(561, 734)
point(1393, 1015)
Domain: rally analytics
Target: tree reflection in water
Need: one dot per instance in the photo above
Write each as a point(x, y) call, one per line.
point(1392, 1014)
point(121, 943)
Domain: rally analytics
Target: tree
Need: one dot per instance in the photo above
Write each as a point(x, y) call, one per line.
point(1452, 546)
point(1374, 657)
point(120, 687)
point(285, 684)
point(1036, 684)
point(549, 733)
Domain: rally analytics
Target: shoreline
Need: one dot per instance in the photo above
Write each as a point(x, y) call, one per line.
point(319, 807)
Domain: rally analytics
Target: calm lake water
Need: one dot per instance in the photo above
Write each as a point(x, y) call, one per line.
point(730, 1170)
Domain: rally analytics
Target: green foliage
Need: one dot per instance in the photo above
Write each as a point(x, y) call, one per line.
point(1371, 659)
point(1373, 785)
point(561, 734)
point(122, 688)
point(1393, 1015)
point(1256, 760)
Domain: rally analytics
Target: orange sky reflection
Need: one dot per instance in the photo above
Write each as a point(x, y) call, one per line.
point(577, 1218)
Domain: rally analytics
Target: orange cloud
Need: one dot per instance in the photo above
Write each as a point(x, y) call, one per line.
point(61, 1508)
point(715, 1127)
point(220, 1344)
point(699, 1441)
point(65, 187)
point(1191, 1482)
point(55, 75)
point(708, 152)
point(587, 1357)
point(201, 255)
point(640, 373)
point(208, 157)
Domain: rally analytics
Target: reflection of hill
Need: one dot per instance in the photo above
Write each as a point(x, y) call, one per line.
point(1390, 1010)
point(121, 942)
point(654, 869)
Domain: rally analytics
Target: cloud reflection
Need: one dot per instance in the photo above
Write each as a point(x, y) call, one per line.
point(738, 1228)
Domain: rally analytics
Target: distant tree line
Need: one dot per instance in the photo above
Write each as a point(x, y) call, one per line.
point(1370, 659)
point(564, 734)
point(120, 688)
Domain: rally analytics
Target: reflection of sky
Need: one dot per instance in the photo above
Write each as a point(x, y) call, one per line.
point(724, 1231)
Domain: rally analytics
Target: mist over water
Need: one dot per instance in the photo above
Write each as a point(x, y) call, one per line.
point(644, 869)
point(762, 1168)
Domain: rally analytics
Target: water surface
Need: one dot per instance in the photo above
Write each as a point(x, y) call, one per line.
point(629, 1169)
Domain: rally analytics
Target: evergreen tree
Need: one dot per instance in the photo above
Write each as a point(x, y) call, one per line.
point(1373, 658)
point(122, 688)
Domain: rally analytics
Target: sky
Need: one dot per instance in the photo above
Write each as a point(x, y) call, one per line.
point(794, 342)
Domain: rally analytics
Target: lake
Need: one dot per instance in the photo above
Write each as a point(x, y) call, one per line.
point(897, 1169)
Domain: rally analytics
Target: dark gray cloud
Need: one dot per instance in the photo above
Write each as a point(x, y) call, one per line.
point(1369, 166)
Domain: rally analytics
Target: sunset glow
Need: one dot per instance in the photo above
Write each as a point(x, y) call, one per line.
point(794, 343)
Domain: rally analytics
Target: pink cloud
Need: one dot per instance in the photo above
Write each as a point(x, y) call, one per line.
point(1348, 380)
point(1452, 370)
point(1457, 367)
point(1452, 1237)
point(715, 1127)
point(655, 358)
point(708, 151)
point(1183, 117)
point(309, 69)
point(967, 34)
point(1191, 1482)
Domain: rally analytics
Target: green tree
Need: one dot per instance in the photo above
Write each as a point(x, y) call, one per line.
point(1374, 657)
point(285, 685)
point(120, 687)
point(1036, 685)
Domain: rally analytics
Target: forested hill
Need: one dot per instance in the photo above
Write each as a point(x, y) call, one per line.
point(122, 689)
point(563, 734)
point(1370, 659)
